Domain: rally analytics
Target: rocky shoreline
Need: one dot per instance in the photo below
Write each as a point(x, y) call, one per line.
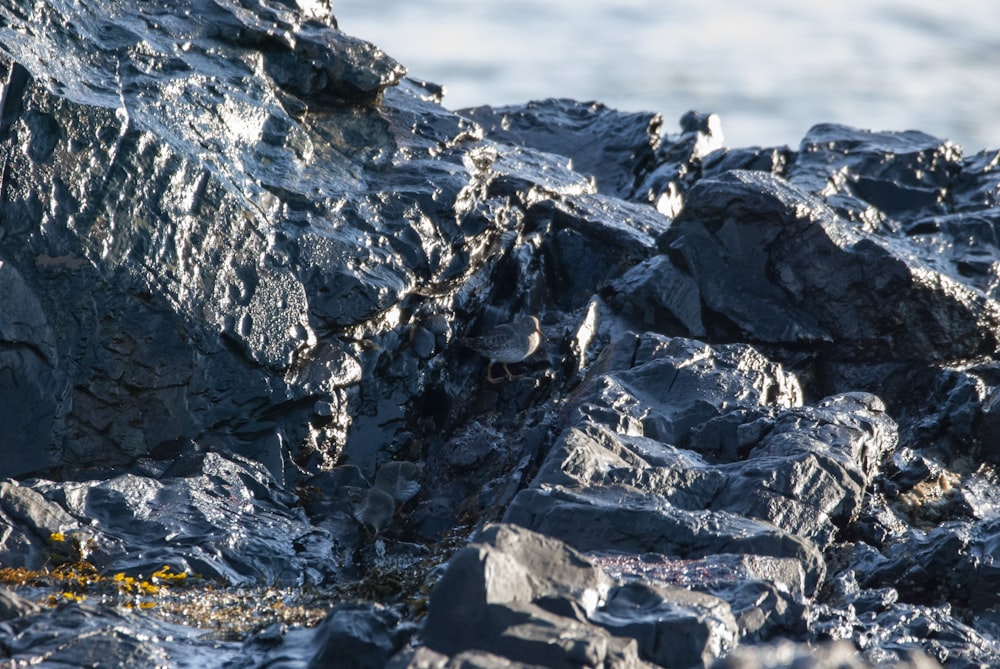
point(238, 249)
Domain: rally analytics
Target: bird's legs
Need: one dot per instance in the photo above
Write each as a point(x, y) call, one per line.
point(489, 376)
point(510, 376)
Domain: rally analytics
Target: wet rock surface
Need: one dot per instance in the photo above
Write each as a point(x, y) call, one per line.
point(238, 248)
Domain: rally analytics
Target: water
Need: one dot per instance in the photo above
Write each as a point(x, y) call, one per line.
point(770, 69)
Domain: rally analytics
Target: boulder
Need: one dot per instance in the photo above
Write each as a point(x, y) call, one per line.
point(776, 265)
point(14, 606)
point(532, 599)
point(223, 519)
point(355, 635)
point(610, 146)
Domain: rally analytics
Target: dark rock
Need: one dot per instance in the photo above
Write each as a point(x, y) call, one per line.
point(901, 174)
point(611, 146)
point(509, 566)
point(355, 635)
point(674, 384)
point(963, 246)
point(423, 657)
point(813, 466)
point(673, 627)
point(30, 521)
point(942, 565)
point(655, 294)
point(975, 188)
point(247, 294)
point(13, 606)
point(627, 520)
point(765, 594)
point(617, 480)
point(593, 239)
point(776, 265)
point(197, 503)
point(237, 250)
point(29, 378)
point(890, 635)
point(773, 160)
point(943, 411)
point(526, 597)
point(81, 636)
point(678, 162)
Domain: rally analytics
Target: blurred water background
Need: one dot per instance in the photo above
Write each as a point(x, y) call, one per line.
point(771, 69)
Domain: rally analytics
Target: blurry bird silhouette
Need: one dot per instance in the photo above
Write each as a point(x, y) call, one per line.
point(375, 510)
point(399, 479)
point(395, 483)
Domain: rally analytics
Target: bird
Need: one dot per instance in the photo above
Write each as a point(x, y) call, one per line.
point(375, 510)
point(511, 342)
point(395, 483)
point(399, 479)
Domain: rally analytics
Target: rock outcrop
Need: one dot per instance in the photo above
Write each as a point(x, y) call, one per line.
point(237, 250)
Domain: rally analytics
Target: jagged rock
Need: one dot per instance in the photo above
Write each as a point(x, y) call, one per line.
point(887, 635)
point(592, 239)
point(355, 635)
point(964, 246)
point(13, 606)
point(530, 598)
point(773, 160)
point(686, 383)
point(423, 657)
point(170, 513)
point(493, 585)
point(218, 241)
point(673, 627)
point(809, 471)
point(976, 188)
point(82, 635)
point(678, 162)
point(656, 294)
point(30, 521)
point(833, 655)
point(598, 519)
point(613, 482)
point(611, 146)
point(766, 595)
point(776, 265)
point(29, 378)
point(941, 565)
point(901, 174)
point(237, 250)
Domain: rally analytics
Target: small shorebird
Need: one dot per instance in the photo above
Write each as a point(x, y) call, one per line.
point(395, 483)
point(375, 510)
point(399, 479)
point(512, 342)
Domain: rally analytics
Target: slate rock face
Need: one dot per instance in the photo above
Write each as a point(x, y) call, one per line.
point(530, 598)
point(200, 228)
point(725, 404)
point(626, 150)
point(12, 606)
point(137, 522)
point(355, 635)
point(237, 250)
point(775, 265)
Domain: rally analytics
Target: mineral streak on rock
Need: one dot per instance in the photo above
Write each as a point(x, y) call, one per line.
point(238, 249)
